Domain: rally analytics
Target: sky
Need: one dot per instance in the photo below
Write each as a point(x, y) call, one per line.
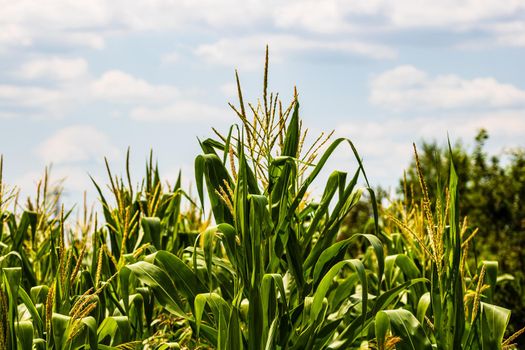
point(84, 80)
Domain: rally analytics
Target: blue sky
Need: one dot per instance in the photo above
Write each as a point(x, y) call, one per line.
point(86, 79)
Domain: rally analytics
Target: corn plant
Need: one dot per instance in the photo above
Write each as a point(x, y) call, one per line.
point(455, 310)
point(256, 262)
point(63, 284)
point(271, 273)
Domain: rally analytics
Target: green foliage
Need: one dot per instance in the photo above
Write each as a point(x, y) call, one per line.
point(491, 191)
point(271, 268)
point(66, 284)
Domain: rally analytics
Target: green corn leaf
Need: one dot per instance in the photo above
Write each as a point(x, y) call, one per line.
point(24, 332)
point(28, 219)
point(292, 138)
point(406, 326)
point(91, 327)
point(491, 276)
point(12, 255)
point(454, 303)
point(319, 166)
point(382, 326)
point(422, 307)
point(115, 328)
point(326, 282)
point(337, 251)
point(39, 344)
point(37, 320)
point(335, 181)
point(347, 200)
point(220, 310)
point(60, 324)
point(494, 320)
point(186, 281)
point(272, 296)
point(210, 168)
point(39, 293)
point(152, 231)
point(234, 340)
point(208, 238)
point(359, 324)
point(161, 283)
point(229, 235)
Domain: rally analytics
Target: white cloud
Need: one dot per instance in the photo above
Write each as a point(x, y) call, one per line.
point(14, 95)
point(504, 123)
point(182, 111)
point(14, 35)
point(340, 16)
point(399, 13)
point(119, 86)
point(91, 40)
point(32, 101)
point(172, 57)
point(7, 115)
point(462, 15)
point(55, 68)
point(26, 22)
point(74, 86)
point(47, 88)
point(499, 34)
point(406, 87)
point(77, 143)
point(229, 90)
point(509, 33)
point(248, 52)
point(387, 144)
point(64, 86)
point(61, 21)
point(90, 23)
point(324, 17)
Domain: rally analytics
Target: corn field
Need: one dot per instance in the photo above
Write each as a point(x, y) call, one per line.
point(252, 261)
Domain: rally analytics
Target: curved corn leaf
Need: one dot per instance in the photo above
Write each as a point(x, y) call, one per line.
point(404, 325)
point(161, 283)
point(220, 310)
point(494, 320)
point(326, 282)
point(25, 335)
point(115, 328)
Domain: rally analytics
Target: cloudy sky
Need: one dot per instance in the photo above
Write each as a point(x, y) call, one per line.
point(80, 80)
